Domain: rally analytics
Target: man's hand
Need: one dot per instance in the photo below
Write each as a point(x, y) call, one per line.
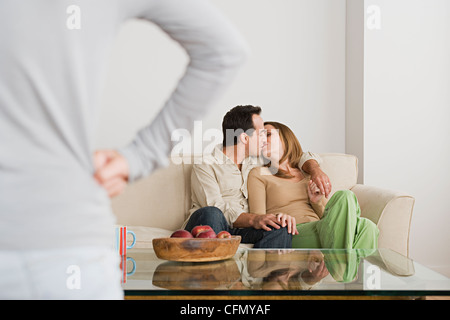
point(322, 181)
point(265, 221)
point(318, 176)
point(111, 171)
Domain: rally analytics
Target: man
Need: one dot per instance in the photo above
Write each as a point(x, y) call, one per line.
point(219, 184)
point(56, 223)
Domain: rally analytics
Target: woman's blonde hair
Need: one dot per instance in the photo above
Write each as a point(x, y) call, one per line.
point(292, 148)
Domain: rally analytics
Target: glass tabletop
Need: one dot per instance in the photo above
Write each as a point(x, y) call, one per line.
point(289, 272)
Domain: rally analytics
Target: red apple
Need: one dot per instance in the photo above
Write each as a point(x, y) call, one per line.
point(181, 234)
point(207, 234)
point(223, 235)
point(197, 229)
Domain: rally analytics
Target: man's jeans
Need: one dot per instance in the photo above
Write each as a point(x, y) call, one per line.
point(213, 217)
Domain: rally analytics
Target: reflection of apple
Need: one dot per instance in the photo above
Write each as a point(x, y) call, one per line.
point(197, 229)
point(206, 234)
point(223, 235)
point(181, 234)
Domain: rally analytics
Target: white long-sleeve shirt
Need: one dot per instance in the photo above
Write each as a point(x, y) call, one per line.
point(53, 58)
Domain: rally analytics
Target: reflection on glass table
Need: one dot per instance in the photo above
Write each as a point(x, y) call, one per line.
point(253, 272)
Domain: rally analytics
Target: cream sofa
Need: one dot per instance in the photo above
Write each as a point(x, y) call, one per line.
point(157, 205)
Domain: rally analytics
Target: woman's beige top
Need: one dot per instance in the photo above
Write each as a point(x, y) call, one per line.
point(270, 194)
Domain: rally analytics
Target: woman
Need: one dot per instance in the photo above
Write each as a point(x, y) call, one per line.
point(281, 188)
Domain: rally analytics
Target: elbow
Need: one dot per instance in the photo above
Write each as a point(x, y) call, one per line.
point(235, 56)
point(228, 56)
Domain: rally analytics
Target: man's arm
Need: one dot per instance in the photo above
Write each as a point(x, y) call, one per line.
point(257, 221)
point(310, 163)
point(263, 221)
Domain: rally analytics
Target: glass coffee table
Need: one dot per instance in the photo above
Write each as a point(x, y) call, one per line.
point(293, 273)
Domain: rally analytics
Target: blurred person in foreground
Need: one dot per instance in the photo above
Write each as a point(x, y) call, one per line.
point(56, 221)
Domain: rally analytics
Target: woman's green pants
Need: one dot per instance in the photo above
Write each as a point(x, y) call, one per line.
point(340, 227)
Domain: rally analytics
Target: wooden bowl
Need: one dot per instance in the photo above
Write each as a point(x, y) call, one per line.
point(196, 250)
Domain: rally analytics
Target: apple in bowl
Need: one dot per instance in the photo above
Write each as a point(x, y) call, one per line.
point(181, 234)
point(198, 229)
point(206, 234)
point(223, 235)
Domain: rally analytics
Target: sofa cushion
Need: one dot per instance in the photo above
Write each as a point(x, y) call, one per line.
point(156, 201)
point(145, 235)
point(342, 169)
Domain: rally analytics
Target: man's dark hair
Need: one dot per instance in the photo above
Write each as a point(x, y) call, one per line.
point(236, 121)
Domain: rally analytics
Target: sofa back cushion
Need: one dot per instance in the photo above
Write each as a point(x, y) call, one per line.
point(163, 199)
point(158, 200)
point(342, 169)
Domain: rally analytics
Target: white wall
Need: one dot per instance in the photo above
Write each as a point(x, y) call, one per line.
point(407, 114)
point(296, 72)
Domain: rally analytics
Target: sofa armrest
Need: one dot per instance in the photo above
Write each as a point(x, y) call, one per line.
point(391, 211)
